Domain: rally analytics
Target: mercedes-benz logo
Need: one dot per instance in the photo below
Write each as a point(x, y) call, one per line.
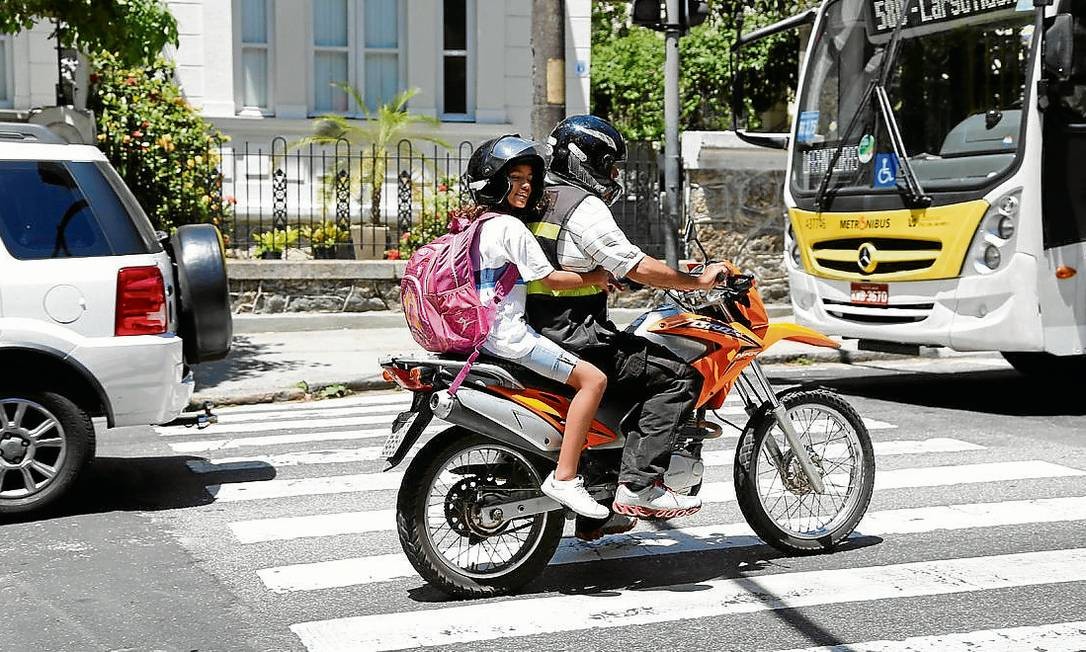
point(865, 258)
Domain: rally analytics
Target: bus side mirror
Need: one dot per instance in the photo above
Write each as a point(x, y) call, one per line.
point(775, 118)
point(1059, 48)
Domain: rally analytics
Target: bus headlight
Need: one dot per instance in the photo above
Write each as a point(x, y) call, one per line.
point(995, 237)
point(1006, 227)
point(795, 256)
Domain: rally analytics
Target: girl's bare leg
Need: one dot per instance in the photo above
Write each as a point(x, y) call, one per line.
point(590, 384)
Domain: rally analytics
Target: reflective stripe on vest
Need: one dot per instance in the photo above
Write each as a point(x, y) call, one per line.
point(537, 287)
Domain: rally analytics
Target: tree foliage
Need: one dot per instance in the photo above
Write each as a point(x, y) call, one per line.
point(628, 61)
point(161, 146)
point(136, 30)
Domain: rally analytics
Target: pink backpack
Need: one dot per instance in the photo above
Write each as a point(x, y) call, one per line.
point(440, 300)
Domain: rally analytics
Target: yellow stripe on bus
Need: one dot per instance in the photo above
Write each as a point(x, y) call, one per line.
point(916, 245)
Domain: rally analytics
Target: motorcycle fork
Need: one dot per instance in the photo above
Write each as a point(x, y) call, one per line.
point(756, 391)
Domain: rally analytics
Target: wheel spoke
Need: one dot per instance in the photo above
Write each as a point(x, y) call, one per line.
point(48, 471)
point(45, 427)
point(20, 412)
point(4, 425)
point(28, 479)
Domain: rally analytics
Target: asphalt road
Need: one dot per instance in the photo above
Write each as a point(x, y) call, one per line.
point(272, 531)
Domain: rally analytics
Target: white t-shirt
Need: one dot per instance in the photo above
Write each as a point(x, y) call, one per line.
point(500, 241)
point(593, 239)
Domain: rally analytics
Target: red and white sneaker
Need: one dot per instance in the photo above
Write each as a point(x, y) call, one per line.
point(655, 501)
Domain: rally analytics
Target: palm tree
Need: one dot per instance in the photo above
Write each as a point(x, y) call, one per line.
point(381, 129)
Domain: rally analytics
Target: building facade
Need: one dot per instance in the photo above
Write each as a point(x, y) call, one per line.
point(261, 68)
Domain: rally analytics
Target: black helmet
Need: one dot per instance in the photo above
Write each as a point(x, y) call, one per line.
point(586, 149)
point(486, 176)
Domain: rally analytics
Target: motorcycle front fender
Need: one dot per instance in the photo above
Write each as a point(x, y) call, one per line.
point(785, 331)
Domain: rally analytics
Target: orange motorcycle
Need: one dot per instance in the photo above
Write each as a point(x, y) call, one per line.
point(473, 521)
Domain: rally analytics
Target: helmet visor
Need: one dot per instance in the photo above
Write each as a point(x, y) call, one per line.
point(511, 147)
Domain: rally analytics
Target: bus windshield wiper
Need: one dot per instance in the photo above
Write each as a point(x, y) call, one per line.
point(913, 193)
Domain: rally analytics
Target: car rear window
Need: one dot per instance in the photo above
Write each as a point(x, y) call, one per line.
point(51, 209)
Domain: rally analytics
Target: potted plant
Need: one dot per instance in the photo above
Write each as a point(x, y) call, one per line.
point(324, 237)
point(270, 245)
point(379, 131)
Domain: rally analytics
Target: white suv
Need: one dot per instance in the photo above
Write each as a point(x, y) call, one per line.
point(100, 316)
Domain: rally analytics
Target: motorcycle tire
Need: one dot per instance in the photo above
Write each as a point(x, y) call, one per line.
point(746, 484)
point(411, 517)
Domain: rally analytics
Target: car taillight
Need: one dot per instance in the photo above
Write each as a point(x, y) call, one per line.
point(141, 302)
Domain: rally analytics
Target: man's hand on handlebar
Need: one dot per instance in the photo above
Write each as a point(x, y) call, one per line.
point(715, 274)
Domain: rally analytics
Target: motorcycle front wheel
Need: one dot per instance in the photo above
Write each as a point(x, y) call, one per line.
point(773, 493)
point(447, 526)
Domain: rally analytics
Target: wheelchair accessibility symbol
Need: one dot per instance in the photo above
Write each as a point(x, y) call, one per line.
point(885, 170)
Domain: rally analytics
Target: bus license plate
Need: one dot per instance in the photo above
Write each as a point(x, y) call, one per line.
point(870, 294)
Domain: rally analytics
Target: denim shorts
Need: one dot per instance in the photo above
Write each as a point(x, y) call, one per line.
point(549, 360)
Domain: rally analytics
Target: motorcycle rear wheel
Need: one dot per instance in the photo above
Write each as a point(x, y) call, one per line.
point(445, 534)
point(781, 508)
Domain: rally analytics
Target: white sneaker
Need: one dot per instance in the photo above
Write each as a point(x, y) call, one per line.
point(573, 495)
point(655, 501)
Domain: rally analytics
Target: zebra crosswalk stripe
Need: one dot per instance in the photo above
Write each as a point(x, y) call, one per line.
point(383, 568)
point(1057, 637)
point(297, 527)
point(265, 489)
point(480, 622)
point(291, 438)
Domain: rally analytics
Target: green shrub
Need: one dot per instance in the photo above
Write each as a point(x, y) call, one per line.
point(165, 151)
point(275, 241)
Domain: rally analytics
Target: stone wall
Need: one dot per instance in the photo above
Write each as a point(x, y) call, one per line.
point(735, 197)
point(273, 286)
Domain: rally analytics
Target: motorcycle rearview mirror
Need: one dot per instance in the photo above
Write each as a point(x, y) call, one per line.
point(691, 236)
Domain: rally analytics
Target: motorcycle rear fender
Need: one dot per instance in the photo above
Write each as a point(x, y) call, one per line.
point(785, 331)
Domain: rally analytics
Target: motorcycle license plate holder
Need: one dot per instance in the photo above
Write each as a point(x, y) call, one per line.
point(406, 429)
point(870, 294)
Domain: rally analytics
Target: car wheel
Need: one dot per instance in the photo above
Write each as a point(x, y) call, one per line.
point(206, 324)
point(45, 441)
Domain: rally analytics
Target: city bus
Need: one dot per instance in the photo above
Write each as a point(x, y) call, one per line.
point(936, 176)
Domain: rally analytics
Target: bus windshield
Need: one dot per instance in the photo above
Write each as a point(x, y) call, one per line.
point(957, 88)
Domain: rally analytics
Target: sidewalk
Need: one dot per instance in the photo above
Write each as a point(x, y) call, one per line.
point(272, 354)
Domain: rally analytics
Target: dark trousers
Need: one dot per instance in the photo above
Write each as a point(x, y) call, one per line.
point(664, 388)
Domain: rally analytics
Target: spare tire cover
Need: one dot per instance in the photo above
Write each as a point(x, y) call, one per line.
point(206, 323)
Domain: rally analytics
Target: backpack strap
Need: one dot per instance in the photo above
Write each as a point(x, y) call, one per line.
point(505, 284)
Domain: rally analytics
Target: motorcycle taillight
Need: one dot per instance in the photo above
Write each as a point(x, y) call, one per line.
point(415, 379)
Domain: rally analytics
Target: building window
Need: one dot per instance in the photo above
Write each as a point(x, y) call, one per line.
point(255, 37)
point(356, 42)
point(5, 71)
point(457, 69)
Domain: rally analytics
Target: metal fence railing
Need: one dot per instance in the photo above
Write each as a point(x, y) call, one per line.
point(345, 201)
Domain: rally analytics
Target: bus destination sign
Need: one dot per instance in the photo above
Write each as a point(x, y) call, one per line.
point(886, 13)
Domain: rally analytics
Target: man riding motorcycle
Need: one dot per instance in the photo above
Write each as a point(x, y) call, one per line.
point(578, 233)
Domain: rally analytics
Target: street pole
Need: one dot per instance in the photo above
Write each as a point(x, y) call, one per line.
point(548, 66)
point(672, 204)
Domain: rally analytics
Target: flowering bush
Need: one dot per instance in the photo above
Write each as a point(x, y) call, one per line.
point(166, 153)
point(433, 221)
